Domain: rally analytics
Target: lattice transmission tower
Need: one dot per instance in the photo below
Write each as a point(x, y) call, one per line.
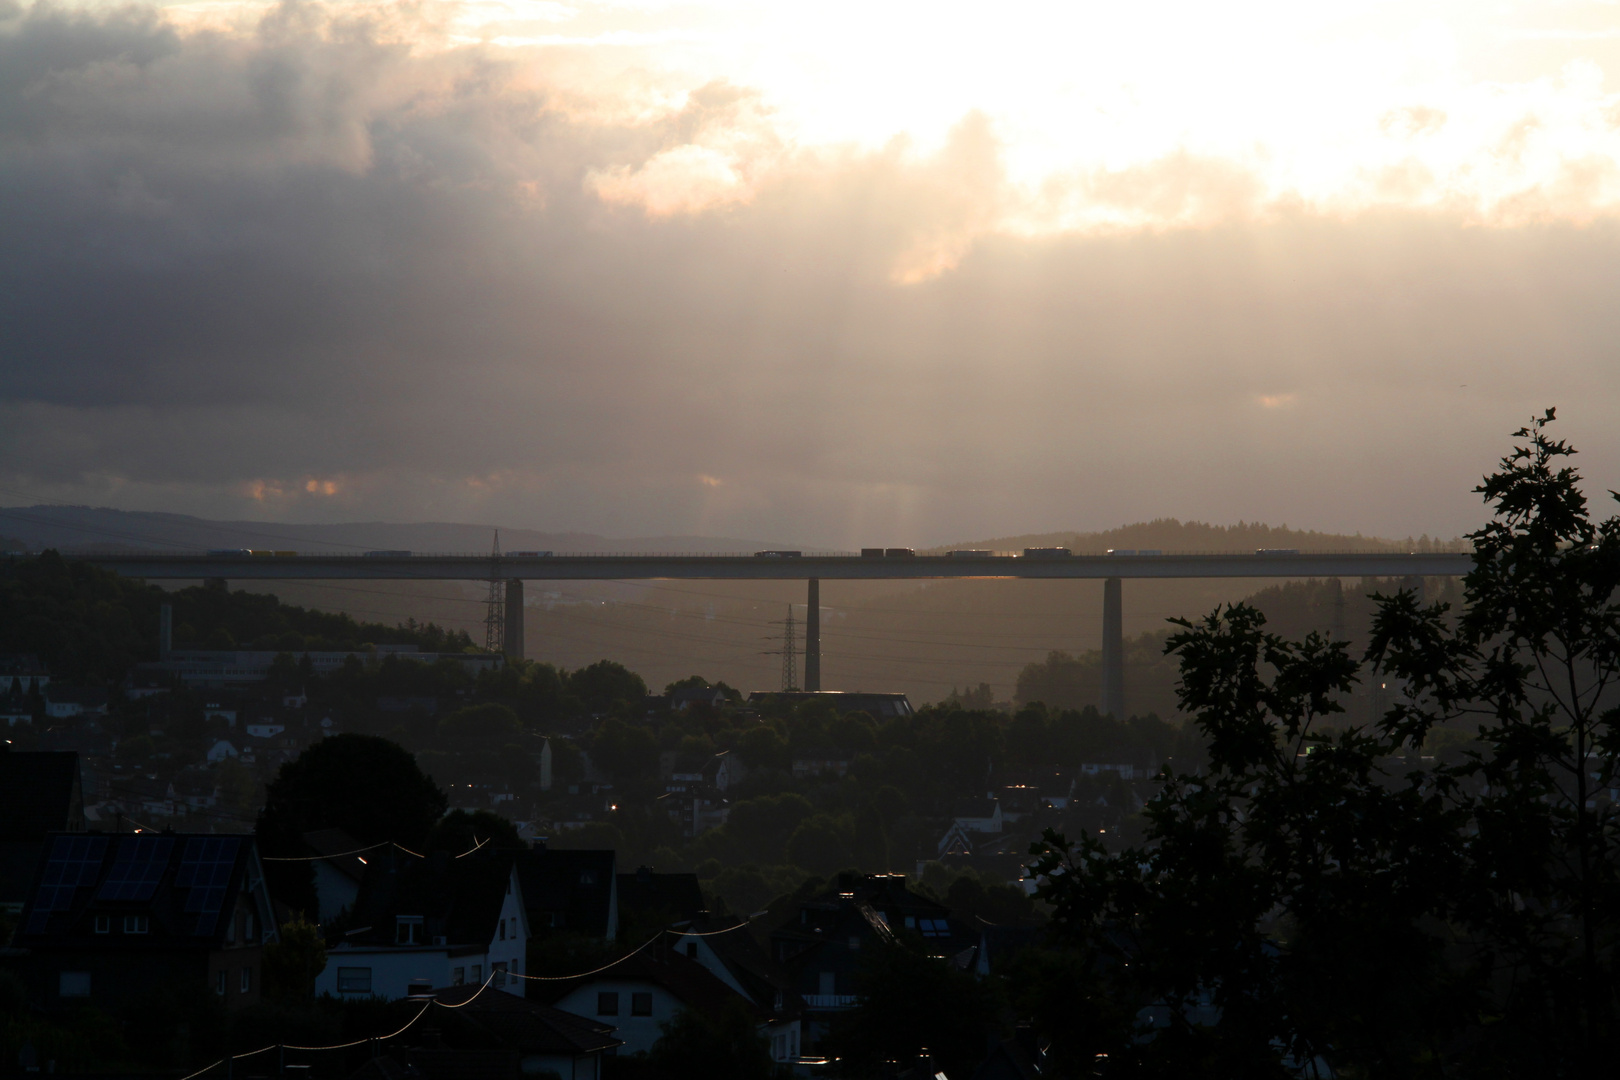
point(789, 652)
point(495, 606)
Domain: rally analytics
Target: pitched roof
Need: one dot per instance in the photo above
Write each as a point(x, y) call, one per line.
point(186, 884)
point(39, 793)
point(677, 895)
point(458, 899)
point(576, 885)
point(339, 850)
point(528, 1026)
point(694, 985)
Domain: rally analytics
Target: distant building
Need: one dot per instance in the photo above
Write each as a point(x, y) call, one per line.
point(1127, 762)
point(64, 702)
point(877, 706)
point(216, 668)
point(826, 763)
point(978, 815)
point(116, 918)
point(21, 674)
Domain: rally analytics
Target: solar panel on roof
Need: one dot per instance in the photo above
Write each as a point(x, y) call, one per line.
point(205, 870)
point(138, 866)
point(73, 863)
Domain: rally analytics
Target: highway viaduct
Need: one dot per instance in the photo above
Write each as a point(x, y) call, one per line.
point(514, 569)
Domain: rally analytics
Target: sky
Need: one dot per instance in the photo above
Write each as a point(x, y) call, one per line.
point(839, 274)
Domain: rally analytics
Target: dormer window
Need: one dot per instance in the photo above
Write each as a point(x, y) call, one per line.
point(408, 930)
point(103, 924)
point(136, 924)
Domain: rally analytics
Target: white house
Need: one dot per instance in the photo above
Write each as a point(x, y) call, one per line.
point(265, 729)
point(222, 750)
point(464, 929)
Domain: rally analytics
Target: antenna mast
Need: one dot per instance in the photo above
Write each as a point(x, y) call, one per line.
point(495, 606)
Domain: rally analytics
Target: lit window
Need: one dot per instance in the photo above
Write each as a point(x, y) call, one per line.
point(350, 980)
point(607, 1003)
point(73, 984)
point(247, 979)
point(641, 1004)
point(136, 924)
point(103, 924)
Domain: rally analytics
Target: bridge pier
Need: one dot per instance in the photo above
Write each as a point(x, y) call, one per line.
point(1113, 649)
point(812, 638)
point(514, 619)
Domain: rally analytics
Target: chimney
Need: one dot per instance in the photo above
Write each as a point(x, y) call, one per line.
point(165, 632)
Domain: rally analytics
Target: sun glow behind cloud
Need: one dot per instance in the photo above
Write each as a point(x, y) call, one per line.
point(1103, 116)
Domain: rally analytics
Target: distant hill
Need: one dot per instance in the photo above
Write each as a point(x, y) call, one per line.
point(81, 527)
point(1169, 534)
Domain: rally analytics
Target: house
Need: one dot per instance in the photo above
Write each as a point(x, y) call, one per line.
point(39, 794)
point(878, 706)
point(1128, 762)
point(647, 898)
point(65, 702)
point(338, 872)
point(116, 918)
point(736, 958)
point(197, 792)
point(222, 749)
point(978, 815)
point(649, 988)
point(22, 674)
point(570, 891)
point(820, 946)
point(14, 711)
point(425, 924)
point(264, 729)
point(828, 763)
point(687, 696)
point(498, 1037)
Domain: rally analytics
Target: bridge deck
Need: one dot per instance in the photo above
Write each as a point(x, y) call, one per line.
point(772, 568)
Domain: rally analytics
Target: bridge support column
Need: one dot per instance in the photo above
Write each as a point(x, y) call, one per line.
point(514, 619)
point(812, 638)
point(1113, 649)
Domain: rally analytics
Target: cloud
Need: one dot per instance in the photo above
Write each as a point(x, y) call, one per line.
point(435, 281)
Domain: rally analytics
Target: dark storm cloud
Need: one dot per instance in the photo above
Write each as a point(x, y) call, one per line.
point(236, 265)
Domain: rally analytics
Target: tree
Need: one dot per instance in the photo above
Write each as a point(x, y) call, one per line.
point(605, 682)
point(1315, 896)
point(722, 1047)
point(291, 964)
point(460, 831)
point(365, 785)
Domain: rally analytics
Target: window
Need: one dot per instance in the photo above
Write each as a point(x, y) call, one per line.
point(691, 950)
point(514, 926)
point(248, 928)
point(247, 979)
point(73, 984)
point(478, 974)
point(934, 928)
point(458, 976)
point(502, 930)
point(587, 877)
point(498, 970)
point(230, 931)
point(355, 980)
point(829, 982)
point(641, 1004)
point(607, 1003)
point(103, 924)
point(854, 944)
point(136, 924)
point(408, 930)
point(219, 982)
